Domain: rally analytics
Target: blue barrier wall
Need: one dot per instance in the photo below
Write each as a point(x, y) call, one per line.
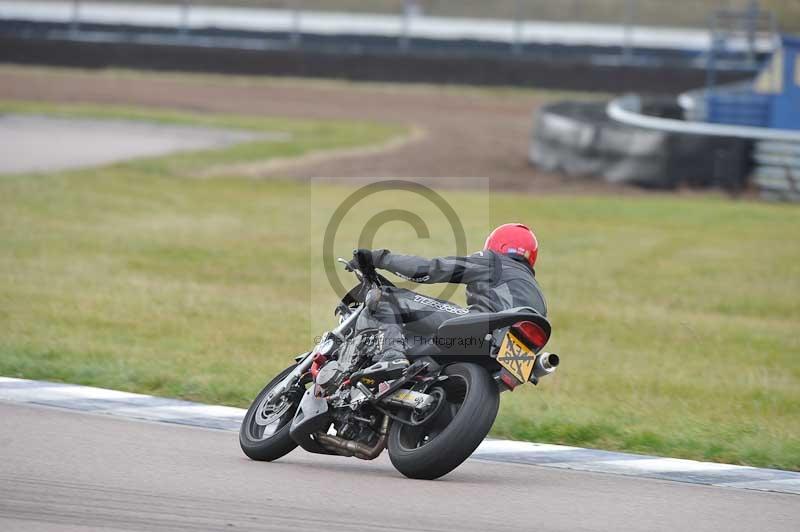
point(772, 100)
point(785, 112)
point(739, 108)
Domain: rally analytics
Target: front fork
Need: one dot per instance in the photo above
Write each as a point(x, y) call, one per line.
point(305, 363)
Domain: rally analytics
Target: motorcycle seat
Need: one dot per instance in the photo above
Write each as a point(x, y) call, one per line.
point(479, 324)
point(468, 333)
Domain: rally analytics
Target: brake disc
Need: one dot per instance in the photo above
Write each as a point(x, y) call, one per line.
point(268, 413)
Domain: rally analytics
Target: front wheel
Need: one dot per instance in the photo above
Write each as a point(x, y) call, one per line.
point(264, 434)
point(428, 451)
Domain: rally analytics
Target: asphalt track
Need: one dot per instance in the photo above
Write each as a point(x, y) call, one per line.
point(43, 144)
point(68, 471)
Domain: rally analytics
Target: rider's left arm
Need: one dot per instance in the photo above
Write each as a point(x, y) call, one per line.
point(476, 267)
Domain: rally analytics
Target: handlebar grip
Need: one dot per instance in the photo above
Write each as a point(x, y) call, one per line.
point(363, 258)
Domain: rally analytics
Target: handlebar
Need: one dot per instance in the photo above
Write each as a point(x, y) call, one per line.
point(367, 277)
point(361, 265)
point(364, 261)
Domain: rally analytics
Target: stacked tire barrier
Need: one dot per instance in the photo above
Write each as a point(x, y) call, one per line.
point(580, 139)
point(777, 169)
point(775, 159)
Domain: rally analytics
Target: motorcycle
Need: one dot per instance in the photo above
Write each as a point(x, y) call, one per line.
point(430, 418)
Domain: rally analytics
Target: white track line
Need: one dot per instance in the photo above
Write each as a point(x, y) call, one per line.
point(159, 409)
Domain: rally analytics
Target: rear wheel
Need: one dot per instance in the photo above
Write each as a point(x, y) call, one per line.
point(264, 434)
point(439, 445)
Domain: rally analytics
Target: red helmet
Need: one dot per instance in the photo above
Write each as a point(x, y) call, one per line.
point(516, 240)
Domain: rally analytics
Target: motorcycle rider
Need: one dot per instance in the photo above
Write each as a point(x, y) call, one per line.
point(499, 277)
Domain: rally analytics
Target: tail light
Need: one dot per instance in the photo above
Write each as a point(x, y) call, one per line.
point(532, 334)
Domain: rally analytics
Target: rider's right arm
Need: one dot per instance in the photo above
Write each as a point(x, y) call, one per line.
point(476, 267)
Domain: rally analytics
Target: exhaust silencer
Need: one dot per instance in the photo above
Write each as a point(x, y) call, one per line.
point(546, 363)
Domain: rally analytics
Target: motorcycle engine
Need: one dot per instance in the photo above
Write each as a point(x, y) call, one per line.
point(351, 356)
point(362, 347)
point(330, 376)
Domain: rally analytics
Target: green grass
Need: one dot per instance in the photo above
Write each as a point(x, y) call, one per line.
point(676, 318)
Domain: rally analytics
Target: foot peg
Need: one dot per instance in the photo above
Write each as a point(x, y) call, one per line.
point(380, 372)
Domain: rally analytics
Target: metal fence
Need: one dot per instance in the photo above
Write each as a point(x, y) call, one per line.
point(627, 31)
point(677, 13)
point(627, 13)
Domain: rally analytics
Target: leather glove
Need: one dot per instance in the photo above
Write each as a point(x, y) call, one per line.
point(362, 258)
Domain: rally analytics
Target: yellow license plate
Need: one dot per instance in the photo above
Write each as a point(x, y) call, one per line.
point(516, 357)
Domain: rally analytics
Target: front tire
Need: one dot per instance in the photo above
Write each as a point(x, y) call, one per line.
point(255, 441)
point(442, 444)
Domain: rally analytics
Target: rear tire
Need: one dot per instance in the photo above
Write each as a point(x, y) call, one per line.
point(279, 443)
point(430, 451)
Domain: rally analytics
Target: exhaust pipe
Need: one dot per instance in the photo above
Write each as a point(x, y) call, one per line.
point(354, 448)
point(546, 363)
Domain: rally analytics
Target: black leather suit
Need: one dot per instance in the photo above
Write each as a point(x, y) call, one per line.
point(494, 282)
